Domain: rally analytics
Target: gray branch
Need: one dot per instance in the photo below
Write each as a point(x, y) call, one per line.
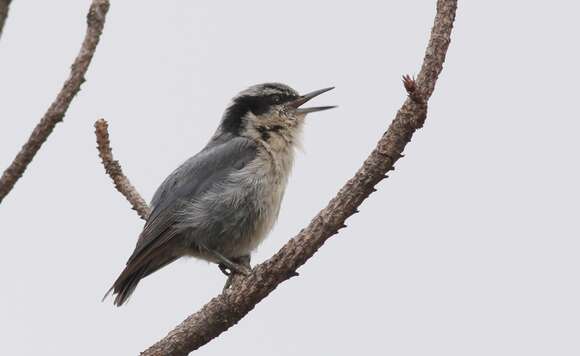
point(56, 111)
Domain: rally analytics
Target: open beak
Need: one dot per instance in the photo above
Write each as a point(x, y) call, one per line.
point(296, 104)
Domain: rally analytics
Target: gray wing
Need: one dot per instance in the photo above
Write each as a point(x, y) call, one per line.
point(191, 180)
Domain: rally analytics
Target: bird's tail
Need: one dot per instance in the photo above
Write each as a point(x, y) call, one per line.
point(127, 282)
point(136, 270)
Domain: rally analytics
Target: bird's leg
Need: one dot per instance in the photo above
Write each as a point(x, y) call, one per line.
point(235, 267)
point(244, 262)
point(226, 265)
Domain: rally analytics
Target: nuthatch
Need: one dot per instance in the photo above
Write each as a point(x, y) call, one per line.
point(221, 203)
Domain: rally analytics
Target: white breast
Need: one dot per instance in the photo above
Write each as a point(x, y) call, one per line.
point(271, 171)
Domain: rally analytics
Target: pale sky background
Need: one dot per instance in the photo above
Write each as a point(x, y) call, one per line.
point(470, 248)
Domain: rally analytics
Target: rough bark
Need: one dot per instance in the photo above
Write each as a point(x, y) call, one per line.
point(57, 110)
point(233, 304)
point(114, 170)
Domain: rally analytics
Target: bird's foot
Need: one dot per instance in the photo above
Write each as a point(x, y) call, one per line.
point(234, 268)
point(238, 266)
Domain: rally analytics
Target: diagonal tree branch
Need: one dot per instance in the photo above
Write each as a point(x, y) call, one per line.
point(114, 170)
point(56, 111)
point(225, 310)
point(4, 6)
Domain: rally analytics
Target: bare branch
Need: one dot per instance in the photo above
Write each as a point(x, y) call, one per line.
point(233, 304)
point(113, 169)
point(57, 110)
point(4, 6)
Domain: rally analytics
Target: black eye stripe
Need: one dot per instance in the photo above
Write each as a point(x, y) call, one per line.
point(261, 104)
point(280, 98)
point(258, 105)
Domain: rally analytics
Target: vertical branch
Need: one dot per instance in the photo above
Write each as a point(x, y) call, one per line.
point(437, 47)
point(56, 111)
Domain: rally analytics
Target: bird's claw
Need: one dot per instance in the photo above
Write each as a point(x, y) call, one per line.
point(225, 270)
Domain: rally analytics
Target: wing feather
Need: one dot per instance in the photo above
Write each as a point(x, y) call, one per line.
point(191, 180)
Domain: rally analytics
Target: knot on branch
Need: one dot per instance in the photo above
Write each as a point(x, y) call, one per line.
point(412, 89)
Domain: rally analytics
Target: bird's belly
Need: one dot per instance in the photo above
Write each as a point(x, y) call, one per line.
point(235, 222)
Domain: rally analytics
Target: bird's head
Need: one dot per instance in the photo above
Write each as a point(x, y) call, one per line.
point(267, 110)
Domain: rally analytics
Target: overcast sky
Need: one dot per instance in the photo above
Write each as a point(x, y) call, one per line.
point(470, 248)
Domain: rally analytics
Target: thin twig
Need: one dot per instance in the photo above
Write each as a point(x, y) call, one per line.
point(228, 308)
point(56, 111)
point(4, 6)
point(114, 170)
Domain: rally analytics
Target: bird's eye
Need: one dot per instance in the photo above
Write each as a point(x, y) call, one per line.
point(276, 99)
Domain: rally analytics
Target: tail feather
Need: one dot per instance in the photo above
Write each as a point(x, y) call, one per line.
point(135, 271)
point(127, 282)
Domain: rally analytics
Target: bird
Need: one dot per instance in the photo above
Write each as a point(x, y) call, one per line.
point(220, 204)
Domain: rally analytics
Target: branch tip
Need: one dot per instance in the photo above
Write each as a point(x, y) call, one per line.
point(114, 170)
